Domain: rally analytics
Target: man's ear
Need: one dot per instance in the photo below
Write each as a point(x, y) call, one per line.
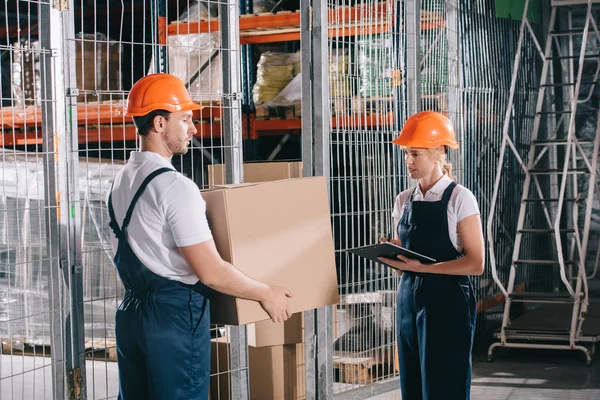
point(159, 123)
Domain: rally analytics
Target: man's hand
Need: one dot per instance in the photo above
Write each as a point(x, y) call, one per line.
point(276, 303)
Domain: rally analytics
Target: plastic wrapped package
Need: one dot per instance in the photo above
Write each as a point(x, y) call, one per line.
point(263, 6)
point(339, 81)
point(296, 61)
point(25, 73)
point(196, 59)
point(200, 11)
point(26, 259)
point(274, 72)
point(290, 95)
point(375, 66)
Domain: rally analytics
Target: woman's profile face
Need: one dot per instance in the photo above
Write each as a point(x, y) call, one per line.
point(419, 162)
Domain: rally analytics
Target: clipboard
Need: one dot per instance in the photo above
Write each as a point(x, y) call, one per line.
point(389, 250)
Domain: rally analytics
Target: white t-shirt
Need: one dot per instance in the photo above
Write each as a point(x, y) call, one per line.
point(170, 214)
point(462, 204)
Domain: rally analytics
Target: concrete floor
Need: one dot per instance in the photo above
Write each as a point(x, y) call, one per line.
point(526, 375)
point(515, 374)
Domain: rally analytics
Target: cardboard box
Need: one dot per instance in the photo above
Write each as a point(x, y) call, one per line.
point(258, 172)
point(276, 372)
point(269, 333)
point(278, 233)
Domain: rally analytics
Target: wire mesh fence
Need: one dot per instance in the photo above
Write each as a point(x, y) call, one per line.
point(31, 290)
point(368, 100)
point(466, 54)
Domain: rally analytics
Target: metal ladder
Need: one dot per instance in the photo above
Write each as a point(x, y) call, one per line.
point(554, 169)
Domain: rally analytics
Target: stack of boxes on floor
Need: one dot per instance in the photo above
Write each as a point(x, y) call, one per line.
point(280, 233)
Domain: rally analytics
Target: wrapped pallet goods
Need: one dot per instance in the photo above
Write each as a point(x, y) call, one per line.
point(434, 56)
point(267, 6)
point(195, 58)
point(274, 72)
point(375, 66)
point(339, 82)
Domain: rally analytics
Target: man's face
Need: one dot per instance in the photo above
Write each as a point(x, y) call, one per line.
point(179, 131)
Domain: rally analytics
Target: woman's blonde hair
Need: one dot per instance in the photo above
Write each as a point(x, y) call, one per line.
point(438, 154)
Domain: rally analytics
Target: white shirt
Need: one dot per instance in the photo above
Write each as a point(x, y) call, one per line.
point(170, 214)
point(462, 204)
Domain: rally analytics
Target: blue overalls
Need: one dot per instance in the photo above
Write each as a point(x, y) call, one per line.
point(435, 314)
point(162, 326)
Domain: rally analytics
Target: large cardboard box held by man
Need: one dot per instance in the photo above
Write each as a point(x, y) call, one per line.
point(278, 233)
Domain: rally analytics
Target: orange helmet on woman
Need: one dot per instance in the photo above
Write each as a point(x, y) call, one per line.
point(427, 129)
point(159, 92)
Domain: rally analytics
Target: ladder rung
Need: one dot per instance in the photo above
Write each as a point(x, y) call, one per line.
point(553, 200)
point(533, 297)
point(569, 84)
point(579, 112)
point(585, 57)
point(570, 32)
point(535, 230)
point(543, 262)
point(558, 171)
point(571, 4)
point(560, 142)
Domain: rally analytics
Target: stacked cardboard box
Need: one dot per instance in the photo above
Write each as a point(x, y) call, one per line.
point(258, 172)
point(276, 372)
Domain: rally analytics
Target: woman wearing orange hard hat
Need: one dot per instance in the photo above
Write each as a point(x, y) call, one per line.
point(436, 308)
point(166, 257)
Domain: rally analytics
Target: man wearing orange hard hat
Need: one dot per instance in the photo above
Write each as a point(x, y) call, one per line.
point(436, 308)
point(166, 256)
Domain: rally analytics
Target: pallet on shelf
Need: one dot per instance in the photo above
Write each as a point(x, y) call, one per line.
point(365, 367)
point(372, 105)
point(100, 349)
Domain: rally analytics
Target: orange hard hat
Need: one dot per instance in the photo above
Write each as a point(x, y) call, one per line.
point(427, 129)
point(159, 92)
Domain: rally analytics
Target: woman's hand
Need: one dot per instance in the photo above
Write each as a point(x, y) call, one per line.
point(392, 241)
point(404, 264)
point(389, 261)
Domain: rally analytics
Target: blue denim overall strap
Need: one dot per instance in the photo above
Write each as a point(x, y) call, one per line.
point(162, 326)
point(436, 313)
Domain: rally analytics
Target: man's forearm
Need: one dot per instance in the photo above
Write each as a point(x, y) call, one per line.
point(229, 280)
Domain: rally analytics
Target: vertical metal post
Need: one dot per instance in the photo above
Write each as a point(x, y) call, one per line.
point(455, 82)
point(413, 55)
point(59, 115)
point(232, 116)
point(232, 137)
point(322, 119)
point(159, 15)
point(50, 38)
point(307, 79)
point(310, 328)
point(322, 124)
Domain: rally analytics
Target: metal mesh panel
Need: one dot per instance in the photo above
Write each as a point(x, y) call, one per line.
point(30, 287)
point(106, 48)
point(120, 45)
point(488, 46)
point(366, 66)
